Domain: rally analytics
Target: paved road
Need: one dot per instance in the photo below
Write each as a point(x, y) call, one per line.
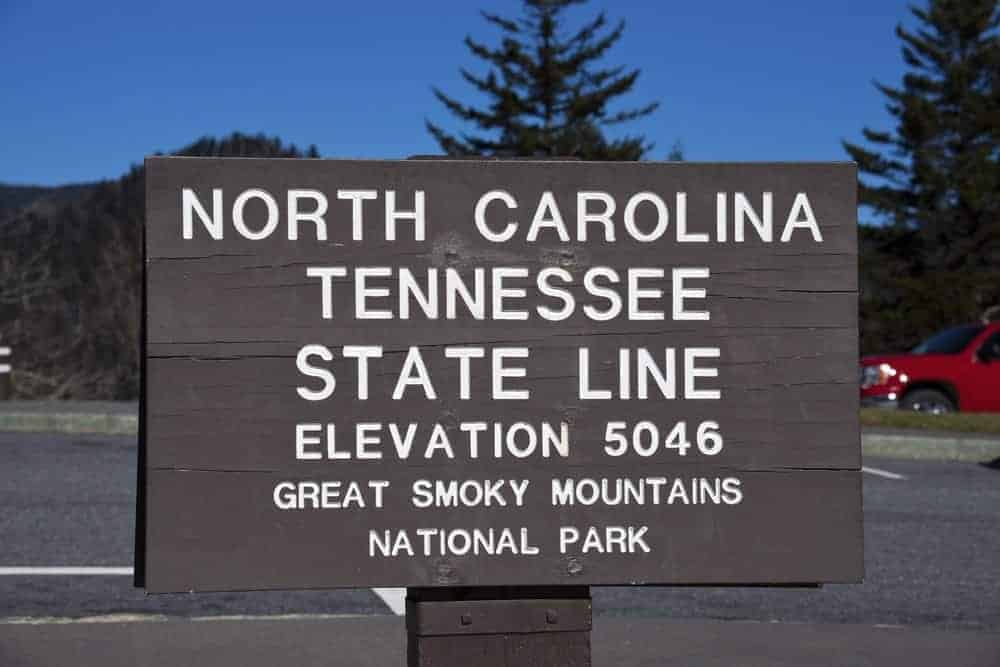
point(377, 641)
point(932, 540)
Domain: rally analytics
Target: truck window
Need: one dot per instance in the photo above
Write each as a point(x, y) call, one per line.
point(990, 350)
point(949, 341)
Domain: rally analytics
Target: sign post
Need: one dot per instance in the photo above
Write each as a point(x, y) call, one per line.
point(518, 378)
point(496, 627)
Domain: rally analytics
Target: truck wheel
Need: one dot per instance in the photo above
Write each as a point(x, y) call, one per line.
point(927, 400)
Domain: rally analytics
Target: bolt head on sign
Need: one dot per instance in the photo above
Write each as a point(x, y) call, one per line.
point(472, 373)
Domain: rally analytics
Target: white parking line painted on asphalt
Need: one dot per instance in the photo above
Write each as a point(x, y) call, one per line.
point(64, 571)
point(882, 473)
point(155, 618)
point(394, 598)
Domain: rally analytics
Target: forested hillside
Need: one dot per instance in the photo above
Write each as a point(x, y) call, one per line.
point(70, 278)
point(15, 197)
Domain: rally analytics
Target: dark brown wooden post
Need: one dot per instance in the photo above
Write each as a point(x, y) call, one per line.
point(498, 627)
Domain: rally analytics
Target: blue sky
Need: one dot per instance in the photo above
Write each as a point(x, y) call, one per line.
point(89, 88)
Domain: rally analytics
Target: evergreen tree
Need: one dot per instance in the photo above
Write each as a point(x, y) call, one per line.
point(546, 94)
point(934, 179)
point(938, 173)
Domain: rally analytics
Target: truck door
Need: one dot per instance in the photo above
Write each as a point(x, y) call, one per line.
point(983, 392)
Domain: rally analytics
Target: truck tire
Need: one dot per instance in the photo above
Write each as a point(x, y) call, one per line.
point(928, 400)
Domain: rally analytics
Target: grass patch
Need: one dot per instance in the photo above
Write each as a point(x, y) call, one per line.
point(96, 424)
point(960, 422)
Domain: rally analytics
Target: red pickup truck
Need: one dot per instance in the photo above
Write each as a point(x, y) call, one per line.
point(956, 369)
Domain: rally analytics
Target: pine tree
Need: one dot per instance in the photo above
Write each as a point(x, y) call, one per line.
point(934, 179)
point(546, 94)
point(937, 174)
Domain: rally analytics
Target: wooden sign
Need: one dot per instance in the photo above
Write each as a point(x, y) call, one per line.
point(470, 373)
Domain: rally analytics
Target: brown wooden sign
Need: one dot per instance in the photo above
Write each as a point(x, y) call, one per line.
point(470, 373)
